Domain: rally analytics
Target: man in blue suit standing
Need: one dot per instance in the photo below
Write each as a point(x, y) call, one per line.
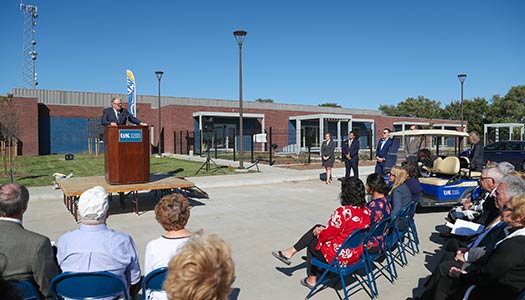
point(351, 155)
point(117, 115)
point(382, 151)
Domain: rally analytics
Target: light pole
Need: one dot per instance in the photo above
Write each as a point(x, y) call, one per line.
point(159, 77)
point(239, 37)
point(461, 78)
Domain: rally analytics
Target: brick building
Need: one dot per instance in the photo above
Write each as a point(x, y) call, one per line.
point(64, 121)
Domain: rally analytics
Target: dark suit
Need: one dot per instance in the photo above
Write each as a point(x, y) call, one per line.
point(476, 157)
point(382, 153)
point(477, 255)
point(29, 256)
point(327, 149)
point(108, 117)
point(353, 162)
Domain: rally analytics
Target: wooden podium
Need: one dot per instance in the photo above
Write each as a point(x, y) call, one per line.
point(126, 154)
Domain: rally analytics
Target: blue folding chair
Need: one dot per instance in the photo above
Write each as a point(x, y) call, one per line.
point(412, 230)
point(379, 229)
point(354, 240)
point(153, 281)
point(27, 290)
point(405, 232)
point(394, 244)
point(88, 285)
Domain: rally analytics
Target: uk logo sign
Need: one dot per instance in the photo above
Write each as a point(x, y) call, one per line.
point(130, 135)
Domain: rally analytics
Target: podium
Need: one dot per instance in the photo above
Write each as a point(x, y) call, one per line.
point(126, 154)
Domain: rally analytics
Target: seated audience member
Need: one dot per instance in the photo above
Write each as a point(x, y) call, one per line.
point(412, 181)
point(94, 247)
point(172, 212)
point(502, 276)
point(479, 250)
point(379, 208)
point(322, 242)
point(29, 255)
point(426, 158)
point(400, 195)
point(8, 290)
point(481, 210)
point(506, 167)
point(202, 270)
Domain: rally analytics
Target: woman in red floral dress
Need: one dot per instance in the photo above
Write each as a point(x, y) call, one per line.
point(322, 242)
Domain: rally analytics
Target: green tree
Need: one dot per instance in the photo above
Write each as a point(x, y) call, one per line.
point(510, 108)
point(330, 104)
point(475, 112)
point(419, 107)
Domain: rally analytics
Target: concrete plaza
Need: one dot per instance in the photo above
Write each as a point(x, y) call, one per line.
point(256, 213)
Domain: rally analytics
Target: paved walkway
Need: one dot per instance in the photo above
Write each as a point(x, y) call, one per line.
point(256, 213)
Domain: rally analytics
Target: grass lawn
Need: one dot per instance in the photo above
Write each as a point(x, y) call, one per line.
point(38, 170)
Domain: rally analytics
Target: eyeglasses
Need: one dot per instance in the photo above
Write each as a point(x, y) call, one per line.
point(119, 104)
point(483, 178)
point(506, 208)
point(385, 132)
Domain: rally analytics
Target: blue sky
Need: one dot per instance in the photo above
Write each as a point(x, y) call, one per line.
point(359, 54)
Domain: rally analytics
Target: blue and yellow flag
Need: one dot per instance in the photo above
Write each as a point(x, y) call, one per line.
point(132, 93)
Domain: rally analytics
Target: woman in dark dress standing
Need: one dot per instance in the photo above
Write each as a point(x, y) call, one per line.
point(327, 156)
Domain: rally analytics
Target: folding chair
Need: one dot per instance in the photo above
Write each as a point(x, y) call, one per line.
point(404, 215)
point(354, 240)
point(393, 242)
point(373, 258)
point(27, 290)
point(88, 285)
point(153, 281)
point(412, 229)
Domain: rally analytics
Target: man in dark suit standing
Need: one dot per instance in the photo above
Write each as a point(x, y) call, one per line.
point(117, 115)
point(382, 151)
point(29, 255)
point(351, 155)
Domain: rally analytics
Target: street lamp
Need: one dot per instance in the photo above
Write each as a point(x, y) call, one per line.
point(461, 78)
point(239, 37)
point(159, 77)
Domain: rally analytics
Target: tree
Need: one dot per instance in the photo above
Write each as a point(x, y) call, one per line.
point(419, 107)
point(8, 132)
point(475, 112)
point(267, 100)
point(329, 104)
point(510, 108)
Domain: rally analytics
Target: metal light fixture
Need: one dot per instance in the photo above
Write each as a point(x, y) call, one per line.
point(461, 78)
point(239, 37)
point(159, 77)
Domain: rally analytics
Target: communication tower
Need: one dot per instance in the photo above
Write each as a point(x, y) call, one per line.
point(29, 54)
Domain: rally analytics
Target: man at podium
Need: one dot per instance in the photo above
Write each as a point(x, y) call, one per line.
point(117, 115)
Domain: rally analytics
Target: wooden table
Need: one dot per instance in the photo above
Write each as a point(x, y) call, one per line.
point(73, 187)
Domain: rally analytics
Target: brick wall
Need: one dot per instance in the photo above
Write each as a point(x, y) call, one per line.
point(175, 118)
point(27, 109)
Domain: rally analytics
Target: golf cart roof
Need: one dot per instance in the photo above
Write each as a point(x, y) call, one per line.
point(432, 132)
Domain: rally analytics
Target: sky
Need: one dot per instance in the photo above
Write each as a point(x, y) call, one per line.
point(359, 54)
